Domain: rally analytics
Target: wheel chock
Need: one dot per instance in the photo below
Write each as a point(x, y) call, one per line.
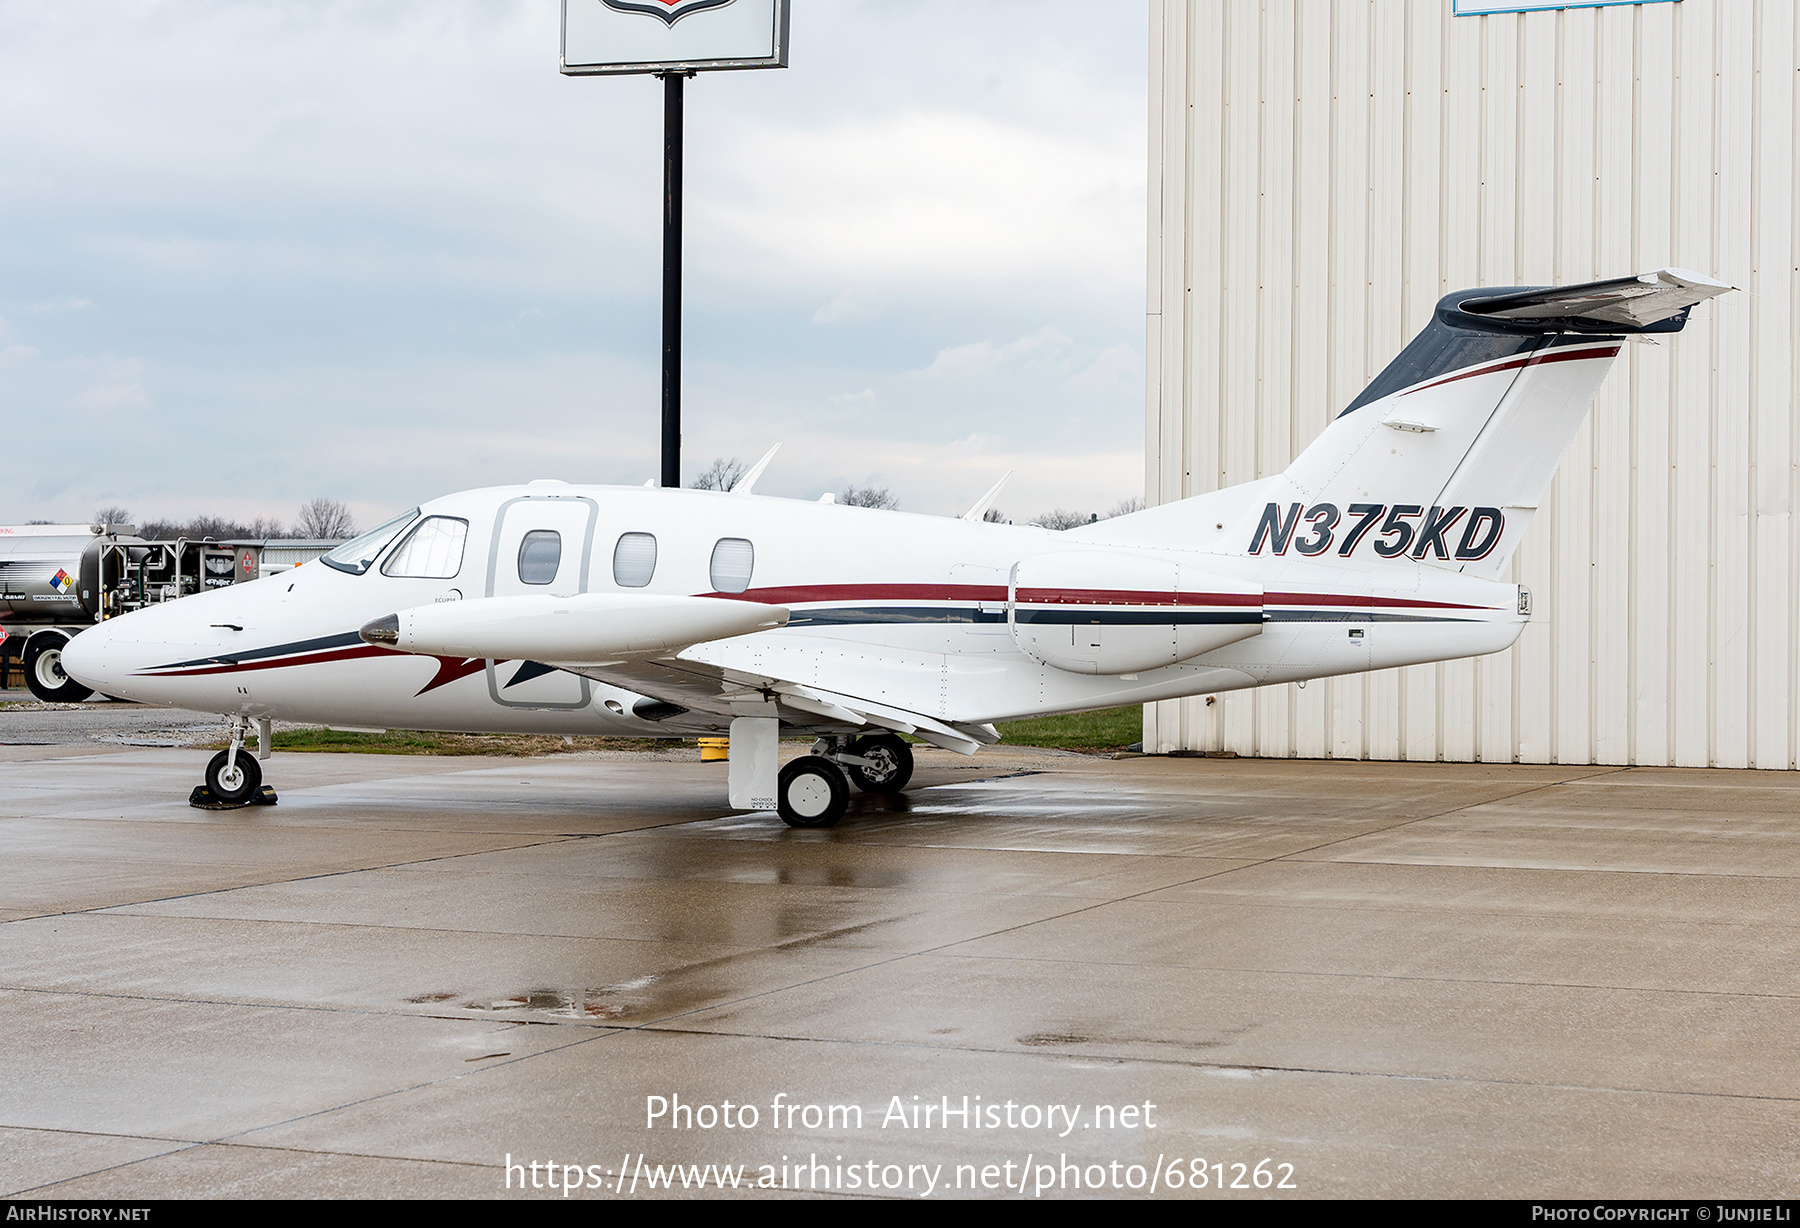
point(202, 798)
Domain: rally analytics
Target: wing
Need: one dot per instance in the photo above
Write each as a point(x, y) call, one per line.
point(656, 646)
point(702, 686)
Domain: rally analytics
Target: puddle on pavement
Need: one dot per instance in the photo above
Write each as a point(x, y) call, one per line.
point(586, 1005)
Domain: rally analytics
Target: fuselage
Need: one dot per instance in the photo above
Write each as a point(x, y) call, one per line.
point(959, 620)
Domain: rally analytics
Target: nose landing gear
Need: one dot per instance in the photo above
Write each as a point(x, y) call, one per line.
point(234, 778)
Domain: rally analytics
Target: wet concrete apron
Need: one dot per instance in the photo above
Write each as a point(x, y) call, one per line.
point(1392, 979)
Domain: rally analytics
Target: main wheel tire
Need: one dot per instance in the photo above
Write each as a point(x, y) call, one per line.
point(44, 671)
point(234, 784)
point(895, 760)
point(812, 793)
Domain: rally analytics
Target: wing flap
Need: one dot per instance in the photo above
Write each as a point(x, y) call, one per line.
point(714, 689)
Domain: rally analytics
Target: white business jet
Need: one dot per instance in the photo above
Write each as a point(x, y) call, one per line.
point(552, 608)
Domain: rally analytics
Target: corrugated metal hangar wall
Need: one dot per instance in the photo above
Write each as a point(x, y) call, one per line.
point(1322, 171)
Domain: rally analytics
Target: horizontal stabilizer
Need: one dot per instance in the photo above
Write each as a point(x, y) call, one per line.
point(588, 628)
point(1649, 302)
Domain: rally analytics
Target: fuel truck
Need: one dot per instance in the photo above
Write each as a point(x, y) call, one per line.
point(56, 579)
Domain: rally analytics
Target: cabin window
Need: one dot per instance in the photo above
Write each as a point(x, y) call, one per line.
point(732, 560)
point(358, 554)
point(634, 560)
point(540, 554)
point(432, 551)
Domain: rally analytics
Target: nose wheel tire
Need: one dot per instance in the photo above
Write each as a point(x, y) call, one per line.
point(893, 761)
point(44, 671)
point(233, 782)
point(812, 793)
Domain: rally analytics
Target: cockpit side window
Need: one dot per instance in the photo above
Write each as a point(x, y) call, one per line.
point(540, 554)
point(432, 551)
point(359, 554)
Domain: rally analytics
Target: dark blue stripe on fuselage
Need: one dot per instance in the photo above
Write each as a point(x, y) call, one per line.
point(347, 639)
point(904, 615)
point(851, 616)
point(1359, 616)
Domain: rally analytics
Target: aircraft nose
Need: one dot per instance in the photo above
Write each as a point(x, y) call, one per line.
point(91, 658)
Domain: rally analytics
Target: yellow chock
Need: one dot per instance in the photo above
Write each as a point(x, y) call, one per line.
point(715, 750)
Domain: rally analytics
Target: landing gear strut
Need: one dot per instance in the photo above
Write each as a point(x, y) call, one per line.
point(234, 778)
point(877, 763)
point(813, 790)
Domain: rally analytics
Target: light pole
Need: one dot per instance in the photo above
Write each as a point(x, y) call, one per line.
point(672, 39)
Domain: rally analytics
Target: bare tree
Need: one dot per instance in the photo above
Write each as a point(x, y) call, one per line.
point(1064, 519)
point(1124, 507)
point(723, 475)
point(325, 520)
point(217, 528)
point(112, 515)
point(994, 516)
point(869, 496)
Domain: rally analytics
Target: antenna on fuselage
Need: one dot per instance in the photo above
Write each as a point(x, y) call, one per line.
point(986, 501)
point(747, 483)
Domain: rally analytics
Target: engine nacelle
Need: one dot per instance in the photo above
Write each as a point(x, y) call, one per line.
point(1106, 612)
point(582, 629)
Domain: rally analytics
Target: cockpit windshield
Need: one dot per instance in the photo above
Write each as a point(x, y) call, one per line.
point(358, 555)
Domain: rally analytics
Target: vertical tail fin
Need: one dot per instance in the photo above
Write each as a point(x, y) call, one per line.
point(1446, 455)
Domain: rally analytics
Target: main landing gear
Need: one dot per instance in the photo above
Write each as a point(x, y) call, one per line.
point(234, 777)
point(814, 790)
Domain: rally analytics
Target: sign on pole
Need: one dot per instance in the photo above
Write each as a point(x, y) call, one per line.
point(657, 36)
point(673, 39)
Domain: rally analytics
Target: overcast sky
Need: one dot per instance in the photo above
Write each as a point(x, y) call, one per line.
point(252, 254)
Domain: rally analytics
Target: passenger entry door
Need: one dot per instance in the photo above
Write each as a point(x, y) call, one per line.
point(542, 544)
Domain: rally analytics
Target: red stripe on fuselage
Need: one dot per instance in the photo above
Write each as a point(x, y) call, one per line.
point(1363, 599)
point(1604, 351)
point(812, 594)
point(844, 593)
point(305, 658)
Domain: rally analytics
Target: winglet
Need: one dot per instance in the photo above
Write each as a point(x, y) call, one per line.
point(986, 501)
point(747, 483)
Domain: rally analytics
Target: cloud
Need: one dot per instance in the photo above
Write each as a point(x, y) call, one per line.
point(1116, 367)
point(66, 302)
point(1046, 350)
point(399, 254)
point(927, 199)
point(844, 308)
point(114, 396)
point(864, 400)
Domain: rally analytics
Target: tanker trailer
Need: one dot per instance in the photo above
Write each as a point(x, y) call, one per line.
point(56, 579)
